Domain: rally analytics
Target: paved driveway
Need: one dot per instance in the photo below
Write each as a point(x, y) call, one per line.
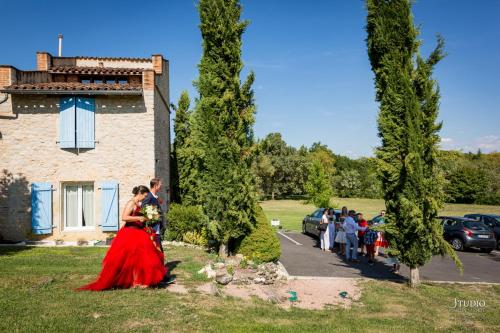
point(307, 259)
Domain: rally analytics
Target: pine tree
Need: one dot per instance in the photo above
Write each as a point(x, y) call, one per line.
point(222, 125)
point(182, 131)
point(409, 105)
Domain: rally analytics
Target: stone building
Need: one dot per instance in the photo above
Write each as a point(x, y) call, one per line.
point(76, 135)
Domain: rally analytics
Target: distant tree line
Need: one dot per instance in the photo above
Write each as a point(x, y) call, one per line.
point(283, 171)
point(471, 177)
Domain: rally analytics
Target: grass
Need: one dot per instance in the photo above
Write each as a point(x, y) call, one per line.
point(37, 295)
point(292, 212)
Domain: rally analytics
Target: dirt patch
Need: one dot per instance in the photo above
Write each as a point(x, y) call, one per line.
point(248, 291)
point(311, 293)
point(318, 293)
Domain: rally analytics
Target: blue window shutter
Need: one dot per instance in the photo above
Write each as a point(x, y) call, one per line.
point(85, 122)
point(109, 206)
point(41, 208)
point(67, 123)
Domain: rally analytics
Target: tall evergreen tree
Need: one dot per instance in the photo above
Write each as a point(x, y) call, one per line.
point(181, 130)
point(223, 125)
point(409, 101)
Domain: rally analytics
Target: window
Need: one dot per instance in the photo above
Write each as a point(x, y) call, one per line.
point(489, 221)
point(318, 213)
point(449, 224)
point(78, 203)
point(76, 122)
point(475, 225)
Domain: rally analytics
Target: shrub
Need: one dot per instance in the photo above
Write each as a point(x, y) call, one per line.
point(261, 244)
point(183, 219)
point(196, 238)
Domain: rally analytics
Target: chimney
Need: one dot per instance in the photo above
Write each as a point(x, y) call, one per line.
point(157, 63)
point(43, 61)
point(59, 54)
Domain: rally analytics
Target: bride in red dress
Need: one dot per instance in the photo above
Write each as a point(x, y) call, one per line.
point(134, 259)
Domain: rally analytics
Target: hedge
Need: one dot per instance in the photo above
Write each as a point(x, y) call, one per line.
point(262, 244)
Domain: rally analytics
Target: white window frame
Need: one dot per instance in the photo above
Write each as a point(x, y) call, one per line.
point(80, 207)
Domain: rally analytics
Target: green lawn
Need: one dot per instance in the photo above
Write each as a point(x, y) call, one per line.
point(37, 295)
point(292, 212)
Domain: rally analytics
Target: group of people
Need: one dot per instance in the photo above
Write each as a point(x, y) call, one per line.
point(135, 258)
point(350, 232)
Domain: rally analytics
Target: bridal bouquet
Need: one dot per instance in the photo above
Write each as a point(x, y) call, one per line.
point(151, 213)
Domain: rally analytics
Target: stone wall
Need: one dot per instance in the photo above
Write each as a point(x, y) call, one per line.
point(125, 152)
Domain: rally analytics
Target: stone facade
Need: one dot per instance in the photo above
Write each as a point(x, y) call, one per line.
point(132, 146)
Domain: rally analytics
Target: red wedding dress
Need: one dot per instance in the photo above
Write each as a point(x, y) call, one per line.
point(133, 259)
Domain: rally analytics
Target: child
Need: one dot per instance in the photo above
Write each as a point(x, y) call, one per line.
point(395, 264)
point(361, 234)
point(370, 238)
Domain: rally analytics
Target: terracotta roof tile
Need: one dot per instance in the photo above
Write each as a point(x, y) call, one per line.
point(95, 70)
point(72, 86)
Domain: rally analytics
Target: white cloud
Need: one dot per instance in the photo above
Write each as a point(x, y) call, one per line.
point(489, 143)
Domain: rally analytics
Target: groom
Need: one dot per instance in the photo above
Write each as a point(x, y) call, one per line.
point(152, 199)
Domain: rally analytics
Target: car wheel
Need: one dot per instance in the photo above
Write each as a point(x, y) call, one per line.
point(304, 231)
point(486, 250)
point(457, 244)
point(498, 244)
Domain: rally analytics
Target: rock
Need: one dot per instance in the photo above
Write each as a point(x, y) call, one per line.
point(223, 278)
point(209, 289)
point(208, 271)
point(239, 256)
point(259, 280)
point(219, 265)
point(281, 273)
point(233, 262)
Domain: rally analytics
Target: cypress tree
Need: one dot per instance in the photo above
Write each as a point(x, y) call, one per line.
point(409, 105)
point(181, 130)
point(222, 136)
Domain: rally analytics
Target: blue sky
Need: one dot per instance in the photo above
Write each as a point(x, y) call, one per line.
point(313, 79)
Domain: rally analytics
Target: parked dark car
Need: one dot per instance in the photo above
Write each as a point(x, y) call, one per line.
point(311, 221)
point(462, 233)
point(491, 220)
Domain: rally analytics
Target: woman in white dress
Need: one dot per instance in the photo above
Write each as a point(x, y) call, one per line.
point(324, 235)
point(341, 237)
point(331, 228)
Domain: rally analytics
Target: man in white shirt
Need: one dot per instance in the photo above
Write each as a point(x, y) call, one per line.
point(351, 227)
